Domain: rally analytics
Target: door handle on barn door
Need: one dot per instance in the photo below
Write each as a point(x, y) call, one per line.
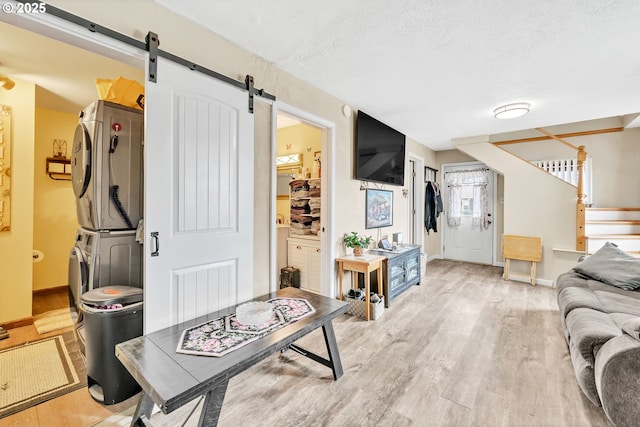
point(155, 243)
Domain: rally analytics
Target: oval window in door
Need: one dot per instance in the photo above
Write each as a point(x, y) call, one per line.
point(81, 160)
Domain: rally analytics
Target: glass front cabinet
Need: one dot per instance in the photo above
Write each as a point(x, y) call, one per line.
point(401, 271)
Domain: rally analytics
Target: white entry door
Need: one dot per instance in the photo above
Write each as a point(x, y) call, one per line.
point(468, 241)
point(198, 196)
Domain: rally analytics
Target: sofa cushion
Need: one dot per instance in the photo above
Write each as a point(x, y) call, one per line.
point(589, 330)
point(616, 303)
point(612, 266)
point(573, 297)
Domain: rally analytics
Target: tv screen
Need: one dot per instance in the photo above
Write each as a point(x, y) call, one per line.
point(379, 151)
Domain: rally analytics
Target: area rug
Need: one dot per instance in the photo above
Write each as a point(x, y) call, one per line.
point(221, 336)
point(37, 371)
point(53, 320)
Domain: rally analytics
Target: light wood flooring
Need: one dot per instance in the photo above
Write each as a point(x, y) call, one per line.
point(464, 348)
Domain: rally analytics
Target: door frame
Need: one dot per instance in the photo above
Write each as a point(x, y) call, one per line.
point(418, 199)
point(327, 239)
point(76, 35)
point(71, 33)
point(494, 206)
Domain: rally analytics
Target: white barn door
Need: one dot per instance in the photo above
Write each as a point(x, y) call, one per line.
point(198, 196)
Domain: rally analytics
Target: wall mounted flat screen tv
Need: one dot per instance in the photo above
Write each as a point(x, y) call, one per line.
point(380, 151)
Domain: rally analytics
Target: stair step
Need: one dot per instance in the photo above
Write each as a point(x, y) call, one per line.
point(613, 221)
point(635, 254)
point(630, 243)
point(612, 214)
point(614, 209)
point(613, 236)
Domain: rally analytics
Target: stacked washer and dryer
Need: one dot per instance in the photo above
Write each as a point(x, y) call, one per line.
point(105, 265)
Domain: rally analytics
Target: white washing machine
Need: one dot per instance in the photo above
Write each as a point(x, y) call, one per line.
point(107, 166)
point(103, 258)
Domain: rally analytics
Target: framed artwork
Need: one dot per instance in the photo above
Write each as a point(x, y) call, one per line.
point(379, 209)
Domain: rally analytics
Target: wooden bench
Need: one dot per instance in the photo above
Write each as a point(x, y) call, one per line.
point(170, 379)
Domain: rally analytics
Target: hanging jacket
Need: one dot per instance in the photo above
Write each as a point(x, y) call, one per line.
point(430, 209)
point(439, 208)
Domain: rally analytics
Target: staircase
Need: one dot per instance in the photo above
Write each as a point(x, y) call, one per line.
point(616, 225)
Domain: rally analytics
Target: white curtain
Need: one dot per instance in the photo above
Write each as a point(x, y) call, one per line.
point(478, 179)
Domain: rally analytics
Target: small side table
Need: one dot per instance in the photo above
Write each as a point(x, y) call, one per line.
point(363, 264)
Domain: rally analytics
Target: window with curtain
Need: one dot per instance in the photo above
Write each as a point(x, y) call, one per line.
point(468, 197)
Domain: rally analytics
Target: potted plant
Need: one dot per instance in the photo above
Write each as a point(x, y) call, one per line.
point(356, 242)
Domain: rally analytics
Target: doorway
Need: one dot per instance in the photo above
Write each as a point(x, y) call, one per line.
point(468, 199)
point(301, 213)
point(46, 211)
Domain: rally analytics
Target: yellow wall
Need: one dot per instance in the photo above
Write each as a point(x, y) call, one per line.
point(16, 245)
point(303, 139)
point(54, 219)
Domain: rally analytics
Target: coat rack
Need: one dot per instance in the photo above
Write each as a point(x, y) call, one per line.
point(430, 174)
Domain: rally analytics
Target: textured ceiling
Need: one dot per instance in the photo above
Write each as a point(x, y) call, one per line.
point(436, 69)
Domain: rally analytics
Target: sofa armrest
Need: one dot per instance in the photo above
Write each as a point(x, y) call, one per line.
point(617, 375)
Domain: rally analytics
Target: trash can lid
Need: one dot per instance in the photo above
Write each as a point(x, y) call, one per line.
point(112, 295)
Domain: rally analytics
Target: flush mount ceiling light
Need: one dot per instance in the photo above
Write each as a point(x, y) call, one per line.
point(6, 83)
point(511, 111)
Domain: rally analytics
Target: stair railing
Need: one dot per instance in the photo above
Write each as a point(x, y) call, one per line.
point(581, 199)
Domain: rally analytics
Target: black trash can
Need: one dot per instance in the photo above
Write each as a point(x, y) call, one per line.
point(289, 276)
point(112, 314)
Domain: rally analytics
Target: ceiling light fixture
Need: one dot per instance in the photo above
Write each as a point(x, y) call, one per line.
point(7, 83)
point(511, 111)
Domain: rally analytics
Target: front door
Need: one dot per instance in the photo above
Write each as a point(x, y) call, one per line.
point(198, 196)
point(470, 240)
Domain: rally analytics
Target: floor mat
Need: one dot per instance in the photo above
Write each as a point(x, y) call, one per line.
point(37, 371)
point(53, 320)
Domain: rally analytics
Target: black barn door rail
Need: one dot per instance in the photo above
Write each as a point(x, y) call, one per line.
point(151, 45)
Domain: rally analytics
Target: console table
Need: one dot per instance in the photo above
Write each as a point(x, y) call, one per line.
point(170, 379)
point(401, 270)
point(361, 264)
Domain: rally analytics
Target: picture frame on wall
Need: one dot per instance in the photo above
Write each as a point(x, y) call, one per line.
point(379, 208)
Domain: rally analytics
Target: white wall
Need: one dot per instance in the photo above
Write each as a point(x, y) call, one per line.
point(614, 158)
point(535, 203)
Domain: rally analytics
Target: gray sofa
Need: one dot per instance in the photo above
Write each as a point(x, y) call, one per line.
point(601, 323)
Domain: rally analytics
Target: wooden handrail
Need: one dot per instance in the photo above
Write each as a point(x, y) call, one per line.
point(557, 138)
point(581, 204)
point(561, 135)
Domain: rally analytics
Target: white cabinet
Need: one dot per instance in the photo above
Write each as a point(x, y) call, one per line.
point(305, 255)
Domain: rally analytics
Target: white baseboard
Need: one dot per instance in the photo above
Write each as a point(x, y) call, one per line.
point(541, 282)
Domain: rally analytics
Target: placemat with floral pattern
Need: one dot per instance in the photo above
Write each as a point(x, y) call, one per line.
point(221, 336)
